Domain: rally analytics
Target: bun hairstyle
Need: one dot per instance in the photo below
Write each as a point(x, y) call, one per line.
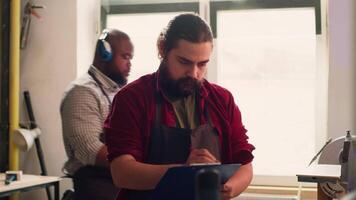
point(189, 27)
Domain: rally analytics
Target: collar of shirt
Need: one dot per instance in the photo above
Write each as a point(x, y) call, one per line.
point(104, 80)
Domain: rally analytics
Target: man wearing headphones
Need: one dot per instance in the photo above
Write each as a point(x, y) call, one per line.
point(84, 108)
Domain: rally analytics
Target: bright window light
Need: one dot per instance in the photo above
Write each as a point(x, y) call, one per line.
point(267, 59)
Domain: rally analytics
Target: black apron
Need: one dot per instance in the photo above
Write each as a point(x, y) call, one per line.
point(92, 183)
point(172, 145)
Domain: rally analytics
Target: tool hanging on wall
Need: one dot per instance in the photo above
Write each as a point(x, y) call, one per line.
point(29, 11)
point(27, 135)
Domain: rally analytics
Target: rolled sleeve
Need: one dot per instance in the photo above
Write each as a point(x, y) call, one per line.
point(240, 147)
point(82, 124)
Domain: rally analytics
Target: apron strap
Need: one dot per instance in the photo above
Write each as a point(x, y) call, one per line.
point(158, 113)
point(206, 113)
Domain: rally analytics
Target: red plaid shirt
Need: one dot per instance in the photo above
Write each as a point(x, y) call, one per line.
point(130, 122)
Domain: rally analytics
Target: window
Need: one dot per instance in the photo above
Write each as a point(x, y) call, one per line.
point(269, 66)
point(267, 57)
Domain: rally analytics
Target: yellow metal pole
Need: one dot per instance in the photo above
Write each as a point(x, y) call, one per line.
point(15, 6)
point(14, 90)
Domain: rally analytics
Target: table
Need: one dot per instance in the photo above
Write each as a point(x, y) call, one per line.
point(29, 182)
point(318, 174)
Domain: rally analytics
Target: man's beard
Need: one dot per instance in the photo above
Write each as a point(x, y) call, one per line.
point(118, 78)
point(180, 88)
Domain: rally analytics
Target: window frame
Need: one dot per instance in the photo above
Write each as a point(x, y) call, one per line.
point(148, 8)
point(216, 6)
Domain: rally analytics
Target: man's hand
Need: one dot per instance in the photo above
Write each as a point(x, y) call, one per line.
point(201, 156)
point(226, 192)
point(131, 174)
point(101, 159)
point(237, 183)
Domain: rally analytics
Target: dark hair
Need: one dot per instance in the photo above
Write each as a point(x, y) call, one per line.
point(188, 27)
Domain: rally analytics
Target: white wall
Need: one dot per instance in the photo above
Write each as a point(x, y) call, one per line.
point(57, 45)
point(48, 64)
point(341, 106)
point(88, 28)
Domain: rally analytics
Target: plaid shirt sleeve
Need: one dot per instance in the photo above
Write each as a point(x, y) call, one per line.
point(82, 122)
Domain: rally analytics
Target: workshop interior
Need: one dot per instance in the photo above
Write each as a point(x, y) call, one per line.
point(289, 64)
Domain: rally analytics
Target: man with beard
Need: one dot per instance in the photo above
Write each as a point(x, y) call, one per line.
point(175, 117)
point(84, 108)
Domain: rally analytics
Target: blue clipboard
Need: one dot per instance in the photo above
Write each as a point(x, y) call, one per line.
point(179, 182)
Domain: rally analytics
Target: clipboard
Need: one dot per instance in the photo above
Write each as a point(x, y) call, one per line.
point(179, 182)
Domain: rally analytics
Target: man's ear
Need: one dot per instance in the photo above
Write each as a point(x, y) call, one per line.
point(161, 50)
